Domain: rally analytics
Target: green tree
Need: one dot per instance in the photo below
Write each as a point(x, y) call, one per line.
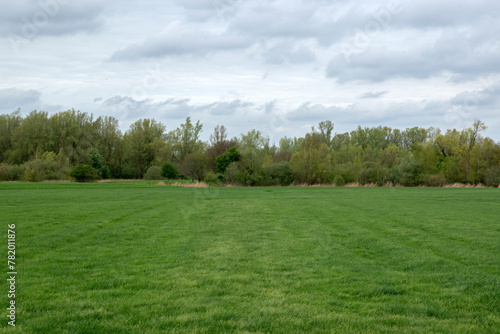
point(31, 138)
point(325, 129)
point(8, 124)
point(169, 171)
point(109, 143)
point(186, 139)
point(139, 143)
point(314, 161)
point(219, 144)
point(195, 165)
point(225, 159)
point(411, 137)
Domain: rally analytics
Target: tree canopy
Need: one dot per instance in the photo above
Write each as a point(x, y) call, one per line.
point(41, 146)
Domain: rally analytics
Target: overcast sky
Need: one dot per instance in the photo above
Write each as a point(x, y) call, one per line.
point(276, 66)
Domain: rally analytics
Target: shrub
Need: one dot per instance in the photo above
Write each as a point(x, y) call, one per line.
point(153, 173)
point(106, 172)
point(231, 174)
point(250, 174)
point(492, 177)
point(10, 172)
point(47, 168)
point(84, 173)
point(407, 173)
point(223, 161)
point(169, 171)
point(31, 175)
point(279, 173)
point(339, 181)
point(128, 171)
point(437, 180)
point(367, 174)
point(195, 165)
point(347, 173)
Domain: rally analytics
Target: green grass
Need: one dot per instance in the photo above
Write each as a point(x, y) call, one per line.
point(138, 258)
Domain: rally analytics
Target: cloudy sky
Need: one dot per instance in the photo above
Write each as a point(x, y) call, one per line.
point(277, 66)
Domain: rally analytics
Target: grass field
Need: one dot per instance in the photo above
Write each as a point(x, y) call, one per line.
point(133, 257)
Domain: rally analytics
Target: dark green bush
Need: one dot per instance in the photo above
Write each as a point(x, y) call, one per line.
point(368, 173)
point(128, 171)
point(224, 160)
point(339, 181)
point(106, 172)
point(407, 173)
point(347, 173)
point(492, 177)
point(84, 173)
point(279, 173)
point(169, 171)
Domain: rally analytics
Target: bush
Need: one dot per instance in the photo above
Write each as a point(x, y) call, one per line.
point(250, 174)
point(10, 172)
point(339, 181)
point(106, 172)
point(31, 175)
point(169, 171)
point(84, 173)
point(408, 173)
point(492, 177)
point(128, 171)
point(231, 174)
point(223, 161)
point(153, 173)
point(437, 180)
point(195, 165)
point(346, 172)
point(368, 173)
point(279, 173)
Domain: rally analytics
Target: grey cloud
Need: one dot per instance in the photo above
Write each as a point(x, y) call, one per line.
point(173, 108)
point(13, 98)
point(227, 108)
point(180, 40)
point(424, 113)
point(456, 38)
point(487, 97)
point(288, 52)
point(327, 23)
point(251, 23)
point(26, 19)
point(445, 13)
point(311, 111)
point(269, 107)
point(458, 53)
point(208, 10)
point(170, 108)
point(373, 95)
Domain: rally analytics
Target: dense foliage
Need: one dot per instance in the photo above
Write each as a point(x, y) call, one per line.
point(40, 146)
point(84, 173)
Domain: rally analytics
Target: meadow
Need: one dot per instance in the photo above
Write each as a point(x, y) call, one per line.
point(135, 257)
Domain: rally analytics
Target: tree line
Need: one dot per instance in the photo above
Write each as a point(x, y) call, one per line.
point(40, 146)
